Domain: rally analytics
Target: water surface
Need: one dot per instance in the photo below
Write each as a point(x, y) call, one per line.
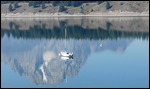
point(107, 52)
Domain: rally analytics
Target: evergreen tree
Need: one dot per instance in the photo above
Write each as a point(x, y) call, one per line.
point(107, 5)
point(61, 8)
point(34, 4)
point(10, 8)
point(99, 2)
point(43, 5)
point(82, 9)
point(30, 4)
point(75, 3)
point(16, 4)
point(55, 3)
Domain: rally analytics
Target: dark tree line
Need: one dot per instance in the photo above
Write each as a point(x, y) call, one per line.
point(54, 3)
point(76, 32)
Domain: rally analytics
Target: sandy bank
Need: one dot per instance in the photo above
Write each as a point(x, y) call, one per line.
point(78, 14)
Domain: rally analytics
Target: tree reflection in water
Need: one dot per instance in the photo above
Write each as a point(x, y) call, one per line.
point(33, 48)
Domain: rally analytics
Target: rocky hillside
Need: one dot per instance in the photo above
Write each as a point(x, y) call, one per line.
point(84, 8)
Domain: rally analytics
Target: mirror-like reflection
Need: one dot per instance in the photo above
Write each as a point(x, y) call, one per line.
point(31, 47)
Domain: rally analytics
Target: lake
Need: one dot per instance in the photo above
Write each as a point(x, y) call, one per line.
point(107, 52)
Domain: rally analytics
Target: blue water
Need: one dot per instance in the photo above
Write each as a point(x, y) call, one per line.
point(101, 60)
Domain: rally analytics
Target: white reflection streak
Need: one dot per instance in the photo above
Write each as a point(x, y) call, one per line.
point(44, 76)
point(47, 57)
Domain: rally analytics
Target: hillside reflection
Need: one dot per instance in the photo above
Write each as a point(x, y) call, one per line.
point(31, 47)
point(77, 28)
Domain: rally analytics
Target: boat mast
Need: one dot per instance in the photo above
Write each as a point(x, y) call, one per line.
point(65, 39)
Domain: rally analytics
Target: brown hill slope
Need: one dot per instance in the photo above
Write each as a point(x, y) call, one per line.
point(86, 8)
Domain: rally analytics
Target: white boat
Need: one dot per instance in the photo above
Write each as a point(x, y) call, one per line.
point(66, 54)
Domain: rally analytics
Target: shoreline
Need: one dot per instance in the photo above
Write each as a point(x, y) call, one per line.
point(129, 14)
point(75, 16)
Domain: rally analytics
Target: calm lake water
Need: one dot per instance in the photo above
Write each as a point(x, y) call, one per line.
point(107, 52)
